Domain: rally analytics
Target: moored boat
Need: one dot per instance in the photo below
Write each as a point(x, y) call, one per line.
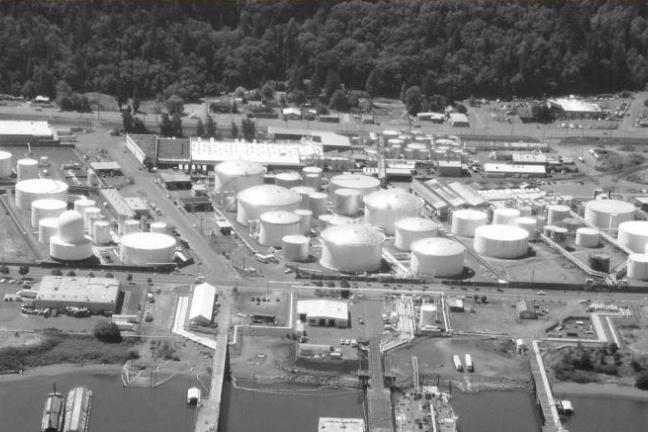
point(77, 409)
point(193, 396)
point(53, 413)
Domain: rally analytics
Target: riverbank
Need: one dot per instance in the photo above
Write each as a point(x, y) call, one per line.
point(60, 369)
point(600, 389)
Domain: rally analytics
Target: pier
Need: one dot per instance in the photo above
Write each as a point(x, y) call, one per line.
point(544, 395)
point(378, 395)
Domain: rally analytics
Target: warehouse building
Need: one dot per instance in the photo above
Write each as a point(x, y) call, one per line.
point(106, 168)
point(138, 205)
point(433, 117)
point(203, 299)
point(173, 152)
point(328, 140)
point(450, 168)
point(504, 170)
point(573, 108)
point(324, 313)
point(176, 180)
point(99, 295)
point(142, 146)
point(529, 158)
point(22, 132)
point(117, 204)
point(459, 120)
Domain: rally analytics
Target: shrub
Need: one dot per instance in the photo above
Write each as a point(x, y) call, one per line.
point(57, 272)
point(642, 381)
point(107, 331)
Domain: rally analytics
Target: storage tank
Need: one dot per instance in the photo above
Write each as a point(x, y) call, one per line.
point(159, 227)
point(501, 241)
point(333, 220)
point(256, 200)
point(351, 248)
point(411, 229)
point(81, 205)
point(26, 169)
point(305, 220)
point(70, 243)
point(608, 214)
point(505, 216)
point(364, 184)
point(46, 208)
point(101, 232)
point(147, 248)
point(317, 202)
point(600, 262)
point(415, 149)
point(633, 235)
point(556, 213)
point(274, 225)
point(638, 266)
point(587, 237)
point(465, 221)
point(347, 202)
point(28, 191)
point(237, 175)
point(312, 170)
point(559, 234)
point(6, 164)
point(90, 215)
point(131, 226)
point(571, 223)
point(383, 208)
point(303, 192)
point(295, 247)
point(313, 180)
point(288, 179)
point(527, 223)
point(437, 257)
point(47, 227)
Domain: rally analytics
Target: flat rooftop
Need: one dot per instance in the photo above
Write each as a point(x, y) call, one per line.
point(326, 138)
point(508, 168)
point(105, 166)
point(26, 127)
point(173, 149)
point(174, 177)
point(282, 154)
point(78, 289)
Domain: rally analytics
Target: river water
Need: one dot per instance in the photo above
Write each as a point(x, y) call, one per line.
point(496, 411)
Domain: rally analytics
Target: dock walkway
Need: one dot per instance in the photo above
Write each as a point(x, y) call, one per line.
point(544, 394)
point(379, 396)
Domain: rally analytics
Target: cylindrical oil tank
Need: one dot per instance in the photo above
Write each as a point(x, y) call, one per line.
point(254, 201)
point(65, 251)
point(559, 234)
point(633, 235)
point(383, 208)
point(608, 214)
point(90, 215)
point(131, 226)
point(313, 180)
point(303, 192)
point(28, 191)
point(328, 220)
point(415, 149)
point(46, 208)
point(364, 184)
point(525, 210)
point(548, 230)
point(600, 262)
point(638, 266)
point(437, 257)
point(147, 248)
point(505, 216)
point(317, 203)
point(81, 205)
point(587, 237)
point(465, 221)
point(70, 227)
point(47, 227)
point(411, 229)
point(556, 213)
point(527, 223)
point(26, 169)
point(237, 175)
point(5, 164)
point(347, 202)
point(501, 241)
point(312, 170)
point(288, 179)
point(274, 225)
point(571, 223)
point(101, 232)
point(305, 220)
point(159, 227)
point(351, 248)
point(295, 247)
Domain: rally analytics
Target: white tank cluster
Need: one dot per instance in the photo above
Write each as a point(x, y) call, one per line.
point(501, 241)
point(70, 242)
point(351, 248)
point(237, 175)
point(364, 184)
point(28, 191)
point(437, 257)
point(295, 247)
point(466, 221)
point(347, 202)
point(303, 192)
point(411, 229)
point(101, 232)
point(81, 205)
point(638, 266)
point(633, 235)
point(587, 237)
point(26, 169)
point(608, 214)
point(47, 227)
point(288, 179)
point(274, 225)
point(505, 216)
point(256, 200)
point(147, 249)
point(329, 220)
point(383, 208)
point(5, 164)
point(46, 208)
point(556, 213)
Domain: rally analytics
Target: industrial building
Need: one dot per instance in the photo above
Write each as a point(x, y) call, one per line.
point(324, 313)
point(143, 147)
point(573, 108)
point(429, 318)
point(520, 158)
point(459, 120)
point(449, 168)
point(117, 204)
point(433, 117)
point(106, 168)
point(99, 295)
point(23, 132)
point(328, 140)
point(196, 204)
point(201, 311)
point(138, 205)
point(175, 180)
point(504, 170)
point(455, 304)
point(173, 152)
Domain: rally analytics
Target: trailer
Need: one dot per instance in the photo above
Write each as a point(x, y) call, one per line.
point(469, 363)
point(457, 363)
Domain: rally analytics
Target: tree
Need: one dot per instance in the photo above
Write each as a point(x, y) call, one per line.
point(642, 381)
point(248, 128)
point(297, 96)
point(267, 92)
point(71, 273)
point(176, 125)
point(57, 272)
point(372, 85)
point(23, 270)
point(461, 108)
point(127, 121)
point(234, 131)
point(200, 128)
point(107, 331)
point(412, 99)
point(212, 128)
point(135, 104)
point(437, 102)
point(139, 126)
point(331, 83)
point(484, 299)
point(4, 269)
point(339, 101)
point(166, 128)
point(174, 105)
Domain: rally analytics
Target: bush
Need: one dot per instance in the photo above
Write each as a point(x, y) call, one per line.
point(642, 381)
point(23, 270)
point(57, 272)
point(4, 269)
point(107, 331)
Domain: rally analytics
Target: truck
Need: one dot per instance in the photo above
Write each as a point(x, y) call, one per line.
point(457, 363)
point(469, 363)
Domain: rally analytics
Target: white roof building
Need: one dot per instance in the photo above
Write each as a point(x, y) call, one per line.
point(573, 105)
point(202, 303)
point(326, 138)
point(459, 119)
point(495, 169)
point(333, 313)
point(280, 154)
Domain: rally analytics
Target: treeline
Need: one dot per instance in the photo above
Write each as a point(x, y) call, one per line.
point(449, 48)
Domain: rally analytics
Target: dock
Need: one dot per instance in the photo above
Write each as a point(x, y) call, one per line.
point(378, 395)
point(544, 395)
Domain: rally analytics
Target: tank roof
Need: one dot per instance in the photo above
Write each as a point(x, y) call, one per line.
point(634, 227)
point(501, 232)
point(295, 239)
point(303, 190)
point(5, 155)
point(69, 217)
point(42, 186)
point(587, 230)
point(393, 199)
point(437, 246)
point(355, 181)
point(269, 195)
point(288, 175)
point(470, 214)
point(352, 235)
point(148, 240)
point(280, 217)
point(638, 257)
point(239, 167)
point(610, 206)
point(416, 224)
point(49, 204)
point(347, 192)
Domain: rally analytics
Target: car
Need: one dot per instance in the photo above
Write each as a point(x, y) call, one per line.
point(354, 343)
point(360, 320)
point(542, 293)
point(347, 341)
point(3, 280)
point(341, 341)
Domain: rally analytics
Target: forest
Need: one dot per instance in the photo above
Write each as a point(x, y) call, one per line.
point(449, 48)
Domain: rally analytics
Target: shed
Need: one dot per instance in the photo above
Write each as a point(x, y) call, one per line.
point(455, 304)
point(201, 311)
point(324, 313)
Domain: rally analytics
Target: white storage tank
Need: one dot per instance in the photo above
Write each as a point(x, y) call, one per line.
point(101, 232)
point(411, 229)
point(237, 175)
point(305, 220)
point(70, 242)
point(28, 191)
point(505, 216)
point(26, 169)
point(347, 202)
point(295, 247)
point(81, 205)
point(90, 215)
point(437, 257)
point(501, 241)
point(383, 208)
point(525, 210)
point(633, 235)
point(351, 248)
point(147, 249)
point(303, 192)
point(46, 208)
point(47, 227)
point(254, 201)
point(313, 180)
point(527, 223)
point(638, 266)
point(329, 219)
point(557, 212)
point(608, 214)
point(131, 226)
point(587, 237)
point(317, 202)
point(274, 225)
point(288, 179)
point(465, 221)
point(364, 184)
point(159, 227)
point(5, 164)
point(312, 170)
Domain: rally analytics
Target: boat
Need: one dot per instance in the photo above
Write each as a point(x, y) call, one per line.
point(457, 363)
point(193, 396)
point(565, 407)
point(469, 363)
point(77, 409)
point(53, 412)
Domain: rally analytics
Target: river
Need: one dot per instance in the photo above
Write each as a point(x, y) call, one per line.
point(607, 414)
point(496, 411)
